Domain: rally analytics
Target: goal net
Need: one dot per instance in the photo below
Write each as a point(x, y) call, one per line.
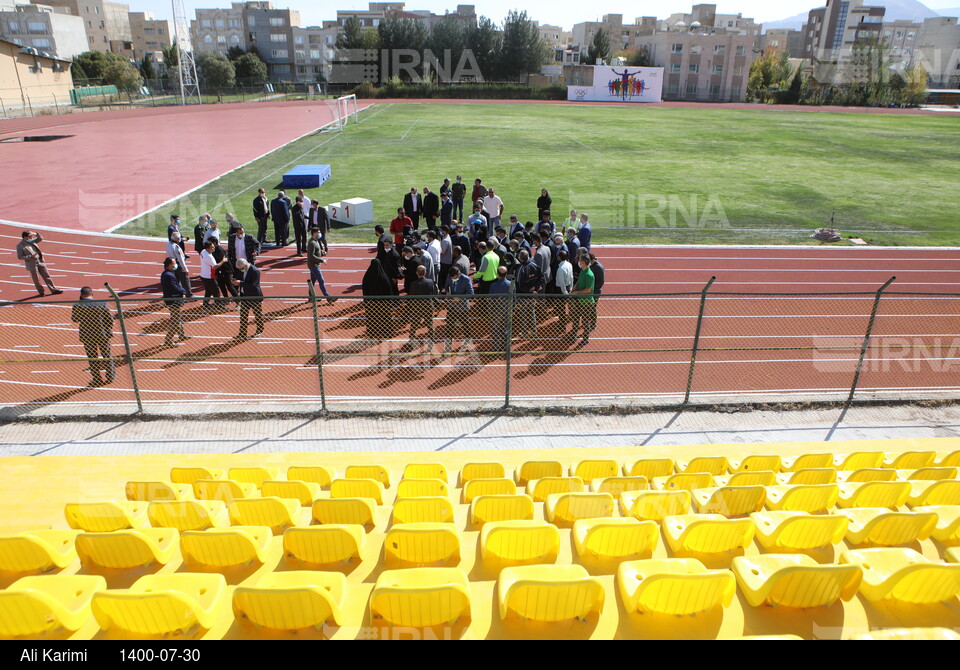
point(347, 108)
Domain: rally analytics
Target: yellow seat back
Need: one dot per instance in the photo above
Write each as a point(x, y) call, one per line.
point(275, 513)
point(532, 470)
point(707, 533)
point(324, 545)
point(252, 475)
point(105, 517)
point(518, 542)
point(471, 471)
point(860, 460)
point(658, 505)
point(752, 478)
point(377, 473)
point(188, 514)
point(305, 492)
point(797, 531)
point(37, 551)
point(125, 549)
point(673, 586)
point(488, 487)
point(310, 473)
point(291, 601)
point(715, 465)
point(190, 475)
point(357, 488)
point(757, 463)
point(224, 490)
point(810, 461)
point(794, 580)
point(912, 460)
point(549, 593)
point(802, 498)
point(651, 467)
point(170, 604)
point(730, 501)
point(813, 477)
point(596, 469)
point(422, 488)
point(539, 489)
point(617, 485)
point(420, 597)
point(685, 481)
point(421, 544)
point(615, 538)
point(565, 508)
point(151, 491)
point(425, 471)
point(350, 511)
point(423, 510)
point(871, 475)
point(35, 606)
point(500, 508)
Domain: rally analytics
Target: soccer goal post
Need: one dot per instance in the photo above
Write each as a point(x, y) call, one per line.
point(347, 107)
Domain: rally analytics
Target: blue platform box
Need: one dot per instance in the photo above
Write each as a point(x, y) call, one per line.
point(306, 176)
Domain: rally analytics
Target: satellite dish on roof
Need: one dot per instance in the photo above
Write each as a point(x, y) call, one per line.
point(695, 24)
point(681, 24)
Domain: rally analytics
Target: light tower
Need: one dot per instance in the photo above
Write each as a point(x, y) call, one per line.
point(187, 68)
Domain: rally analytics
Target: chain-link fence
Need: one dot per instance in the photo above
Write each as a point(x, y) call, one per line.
point(451, 353)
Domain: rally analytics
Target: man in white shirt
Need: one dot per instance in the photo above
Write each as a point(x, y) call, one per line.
point(208, 274)
point(305, 205)
point(213, 232)
point(564, 283)
point(176, 253)
point(493, 206)
point(434, 249)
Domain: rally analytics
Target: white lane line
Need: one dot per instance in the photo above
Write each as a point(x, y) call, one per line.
point(250, 369)
point(571, 137)
point(79, 264)
point(27, 346)
point(45, 372)
point(409, 129)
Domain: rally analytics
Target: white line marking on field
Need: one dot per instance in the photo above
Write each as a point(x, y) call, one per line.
point(44, 372)
point(571, 137)
point(409, 129)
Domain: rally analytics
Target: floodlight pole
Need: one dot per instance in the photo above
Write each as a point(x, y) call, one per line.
point(186, 66)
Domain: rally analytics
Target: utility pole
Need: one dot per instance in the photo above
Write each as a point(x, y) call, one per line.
point(187, 68)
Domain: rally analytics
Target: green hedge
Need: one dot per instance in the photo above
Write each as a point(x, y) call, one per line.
point(471, 91)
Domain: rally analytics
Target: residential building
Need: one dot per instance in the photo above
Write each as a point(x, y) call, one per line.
point(29, 78)
point(618, 33)
point(217, 30)
point(938, 50)
point(150, 35)
point(783, 39)
point(271, 32)
point(705, 16)
point(313, 53)
point(43, 27)
point(107, 23)
point(378, 11)
point(831, 31)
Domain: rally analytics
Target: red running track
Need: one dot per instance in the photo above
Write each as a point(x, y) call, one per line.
point(770, 345)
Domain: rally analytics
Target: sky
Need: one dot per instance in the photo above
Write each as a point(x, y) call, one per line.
point(564, 14)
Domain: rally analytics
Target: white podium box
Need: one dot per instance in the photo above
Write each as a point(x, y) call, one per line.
point(353, 212)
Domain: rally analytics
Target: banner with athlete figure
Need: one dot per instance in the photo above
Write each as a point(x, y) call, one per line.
point(621, 84)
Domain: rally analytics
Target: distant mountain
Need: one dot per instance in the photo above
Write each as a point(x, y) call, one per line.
point(952, 11)
point(909, 10)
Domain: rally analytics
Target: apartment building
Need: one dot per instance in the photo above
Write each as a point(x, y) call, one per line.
point(831, 31)
point(48, 29)
point(712, 67)
point(705, 16)
point(937, 48)
point(271, 32)
point(107, 24)
point(313, 51)
point(216, 30)
point(378, 11)
point(783, 39)
point(150, 35)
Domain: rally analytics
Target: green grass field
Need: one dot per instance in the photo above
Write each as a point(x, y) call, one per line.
point(726, 176)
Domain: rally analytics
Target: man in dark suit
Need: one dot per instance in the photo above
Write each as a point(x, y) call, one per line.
point(422, 312)
point(446, 211)
point(320, 221)
point(247, 278)
point(96, 330)
point(261, 213)
point(413, 206)
point(173, 294)
point(299, 225)
point(431, 208)
point(280, 212)
point(459, 239)
point(243, 246)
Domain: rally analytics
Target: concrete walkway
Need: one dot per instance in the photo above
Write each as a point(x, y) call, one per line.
point(352, 434)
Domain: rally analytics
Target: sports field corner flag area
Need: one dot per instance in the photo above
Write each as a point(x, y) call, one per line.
point(325, 363)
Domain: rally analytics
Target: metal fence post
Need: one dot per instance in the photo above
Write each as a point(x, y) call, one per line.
point(511, 303)
point(126, 345)
point(696, 339)
point(866, 338)
point(316, 335)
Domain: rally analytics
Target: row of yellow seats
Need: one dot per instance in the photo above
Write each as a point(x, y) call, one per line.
point(184, 603)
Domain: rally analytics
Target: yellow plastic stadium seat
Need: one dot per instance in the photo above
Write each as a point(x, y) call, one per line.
point(471, 471)
point(310, 473)
point(595, 469)
point(225, 547)
point(422, 488)
point(375, 472)
point(730, 501)
point(904, 575)
point(771, 637)
point(423, 510)
point(859, 460)
point(425, 471)
point(615, 538)
point(500, 508)
point(191, 475)
point(673, 586)
point(255, 475)
point(107, 516)
point(187, 515)
point(565, 508)
point(549, 593)
point(36, 606)
point(715, 465)
point(951, 460)
point(125, 549)
point(928, 474)
point(807, 462)
point(866, 475)
point(414, 545)
point(532, 470)
point(324, 545)
point(810, 477)
point(802, 498)
point(502, 486)
point(911, 460)
point(37, 551)
point(947, 530)
point(748, 478)
point(158, 491)
point(874, 494)
point(650, 468)
point(655, 505)
point(291, 600)
point(953, 555)
point(794, 580)
point(224, 490)
point(351, 511)
point(420, 597)
point(684, 481)
point(944, 492)
point(276, 513)
point(911, 634)
point(707, 533)
point(756, 463)
point(518, 542)
point(305, 492)
point(357, 488)
point(617, 485)
point(539, 489)
point(797, 531)
point(880, 526)
point(179, 603)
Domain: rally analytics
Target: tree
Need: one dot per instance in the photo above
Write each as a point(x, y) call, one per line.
point(523, 50)
point(484, 40)
point(599, 48)
point(406, 34)
point(448, 35)
point(915, 88)
point(250, 70)
point(79, 76)
point(768, 76)
point(95, 63)
point(234, 53)
point(171, 57)
point(216, 72)
point(794, 94)
point(123, 75)
point(354, 36)
point(146, 68)
point(637, 57)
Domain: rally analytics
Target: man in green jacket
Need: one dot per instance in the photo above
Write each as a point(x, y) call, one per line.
point(585, 309)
